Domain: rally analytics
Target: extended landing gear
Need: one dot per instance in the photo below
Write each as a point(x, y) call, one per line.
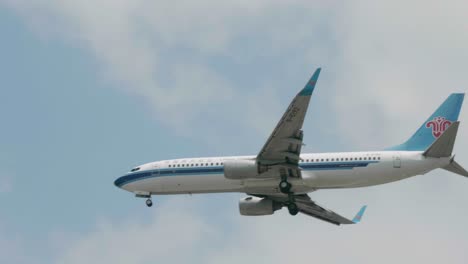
point(147, 195)
point(149, 203)
point(292, 208)
point(285, 186)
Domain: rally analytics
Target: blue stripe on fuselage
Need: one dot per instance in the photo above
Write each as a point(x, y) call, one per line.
point(220, 170)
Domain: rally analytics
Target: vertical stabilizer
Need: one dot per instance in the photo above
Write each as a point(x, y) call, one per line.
point(435, 125)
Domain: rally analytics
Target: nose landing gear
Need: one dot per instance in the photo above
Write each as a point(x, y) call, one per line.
point(149, 203)
point(147, 195)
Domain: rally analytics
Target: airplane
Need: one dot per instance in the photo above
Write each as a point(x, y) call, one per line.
point(281, 176)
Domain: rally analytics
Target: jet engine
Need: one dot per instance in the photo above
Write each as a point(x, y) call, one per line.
point(254, 206)
point(240, 169)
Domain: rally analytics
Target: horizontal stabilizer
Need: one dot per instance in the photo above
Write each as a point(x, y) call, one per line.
point(456, 168)
point(443, 146)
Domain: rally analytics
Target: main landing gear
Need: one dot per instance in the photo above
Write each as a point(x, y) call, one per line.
point(285, 187)
point(292, 208)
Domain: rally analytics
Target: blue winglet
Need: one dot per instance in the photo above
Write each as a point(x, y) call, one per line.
point(309, 87)
point(359, 215)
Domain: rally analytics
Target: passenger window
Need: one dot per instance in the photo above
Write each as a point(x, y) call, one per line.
point(217, 163)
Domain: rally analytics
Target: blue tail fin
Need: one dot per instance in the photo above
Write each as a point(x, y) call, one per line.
point(435, 125)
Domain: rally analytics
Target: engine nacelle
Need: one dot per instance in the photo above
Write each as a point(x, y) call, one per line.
point(240, 169)
point(254, 206)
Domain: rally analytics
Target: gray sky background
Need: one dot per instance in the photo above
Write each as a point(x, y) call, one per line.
point(91, 88)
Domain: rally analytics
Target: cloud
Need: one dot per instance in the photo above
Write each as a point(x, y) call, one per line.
point(162, 52)
point(179, 230)
point(397, 65)
point(173, 233)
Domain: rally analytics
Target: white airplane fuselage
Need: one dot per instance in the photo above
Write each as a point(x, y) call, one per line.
point(280, 175)
point(319, 171)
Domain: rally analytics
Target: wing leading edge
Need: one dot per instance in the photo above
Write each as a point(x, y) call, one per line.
point(285, 142)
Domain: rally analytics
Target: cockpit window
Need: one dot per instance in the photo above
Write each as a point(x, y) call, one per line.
point(135, 169)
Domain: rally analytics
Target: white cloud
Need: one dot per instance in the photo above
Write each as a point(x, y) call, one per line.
point(399, 61)
point(181, 231)
point(391, 52)
point(173, 233)
point(161, 51)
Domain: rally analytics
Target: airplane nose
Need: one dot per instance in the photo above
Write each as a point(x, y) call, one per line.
point(119, 181)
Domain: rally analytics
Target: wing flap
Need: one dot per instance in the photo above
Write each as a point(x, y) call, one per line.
point(308, 207)
point(314, 210)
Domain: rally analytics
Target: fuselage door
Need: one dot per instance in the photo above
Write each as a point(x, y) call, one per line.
point(396, 161)
point(156, 169)
point(155, 175)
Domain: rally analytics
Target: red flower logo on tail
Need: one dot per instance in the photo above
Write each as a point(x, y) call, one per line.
point(439, 125)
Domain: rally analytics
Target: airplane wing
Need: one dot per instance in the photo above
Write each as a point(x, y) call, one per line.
point(283, 147)
point(310, 208)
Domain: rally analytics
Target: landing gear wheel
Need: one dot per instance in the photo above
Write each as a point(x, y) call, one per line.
point(292, 208)
point(284, 186)
point(149, 203)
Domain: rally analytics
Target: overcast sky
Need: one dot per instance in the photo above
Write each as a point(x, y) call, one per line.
point(89, 89)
